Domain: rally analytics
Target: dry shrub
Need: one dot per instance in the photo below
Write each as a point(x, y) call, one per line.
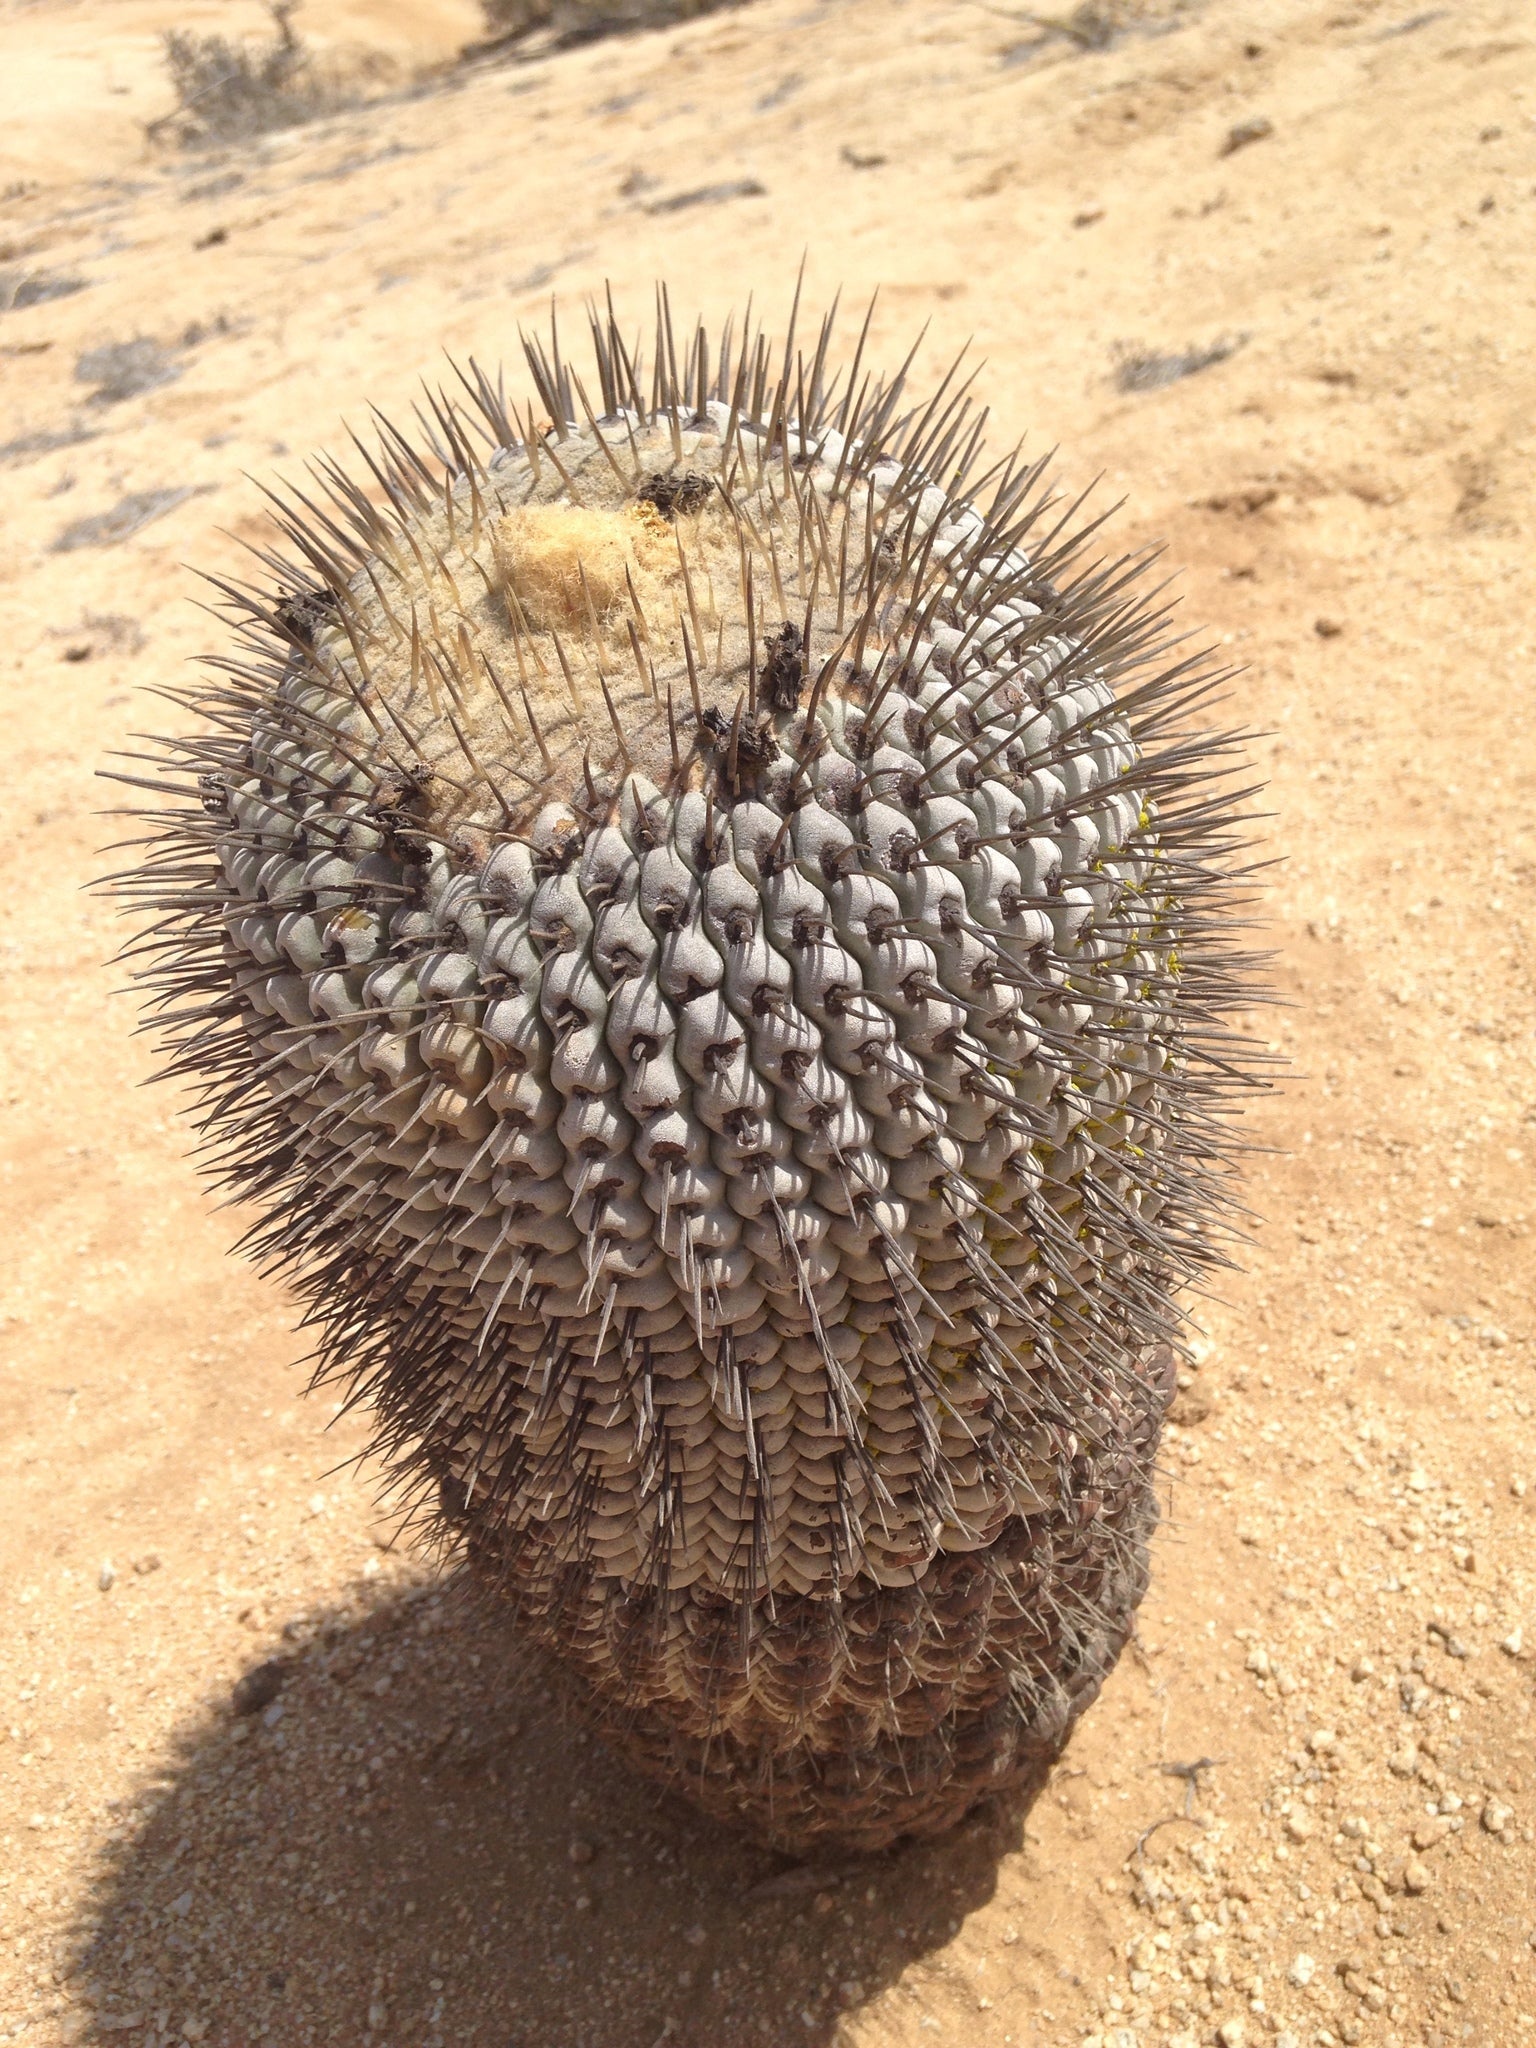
point(1093, 24)
point(580, 21)
point(229, 92)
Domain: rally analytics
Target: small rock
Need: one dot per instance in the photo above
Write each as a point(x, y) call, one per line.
point(1448, 1640)
point(1300, 1825)
point(1303, 1969)
point(1246, 132)
point(1404, 1760)
point(258, 1688)
point(695, 1936)
point(1416, 1878)
point(1430, 1833)
point(581, 1852)
point(1513, 1643)
point(1321, 1741)
point(106, 1578)
point(1327, 629)
point(1232, 2033)
point(144, 1566)
point(1257, 1661)
point(1192, 1404)
point(1497, 1817)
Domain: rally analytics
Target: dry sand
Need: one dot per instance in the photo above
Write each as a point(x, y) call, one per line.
point(409, 1847)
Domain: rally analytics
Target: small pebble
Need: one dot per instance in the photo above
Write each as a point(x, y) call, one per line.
point(581, 1852)
point(1303, 1969)
point(258, 1688)
point(1245, 132)
point(1416, 1877)
point(106, 1578)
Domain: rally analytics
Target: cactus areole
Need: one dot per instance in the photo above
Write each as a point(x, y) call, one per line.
point(704, 915)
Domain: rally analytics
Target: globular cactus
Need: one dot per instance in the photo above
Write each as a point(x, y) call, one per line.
point(704, 923)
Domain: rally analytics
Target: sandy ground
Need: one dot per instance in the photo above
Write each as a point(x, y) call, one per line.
point(413, 1844)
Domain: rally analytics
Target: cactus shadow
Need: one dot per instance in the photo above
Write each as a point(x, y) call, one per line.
point(417, 1843)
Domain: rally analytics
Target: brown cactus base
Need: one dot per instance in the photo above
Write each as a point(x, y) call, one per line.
point(848, 1724)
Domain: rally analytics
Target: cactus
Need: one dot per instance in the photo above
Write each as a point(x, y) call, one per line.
point(705, 922)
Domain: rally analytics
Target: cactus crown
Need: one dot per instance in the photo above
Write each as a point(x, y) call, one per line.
point(704, 916)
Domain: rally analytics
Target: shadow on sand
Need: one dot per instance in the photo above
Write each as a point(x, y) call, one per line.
point(416, 1843)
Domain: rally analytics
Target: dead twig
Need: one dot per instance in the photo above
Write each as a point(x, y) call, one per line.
point(1190, 1773)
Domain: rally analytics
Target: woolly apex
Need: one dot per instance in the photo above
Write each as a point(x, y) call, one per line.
point(703, 917)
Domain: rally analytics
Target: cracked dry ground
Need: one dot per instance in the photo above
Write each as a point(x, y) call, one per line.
point(412, 1844)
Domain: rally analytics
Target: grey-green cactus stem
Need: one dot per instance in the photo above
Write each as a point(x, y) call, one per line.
point(705, 920)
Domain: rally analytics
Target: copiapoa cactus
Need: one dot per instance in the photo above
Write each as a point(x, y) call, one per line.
point(704, 917)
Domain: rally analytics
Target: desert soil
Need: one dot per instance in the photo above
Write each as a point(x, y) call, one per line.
point(1303, 1810)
